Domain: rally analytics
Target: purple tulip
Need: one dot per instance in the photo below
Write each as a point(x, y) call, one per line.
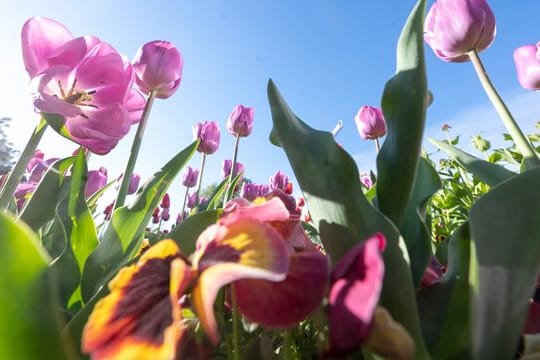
point(370, 122)
point(455, 27)
point(279, 181)
point(191, 200)
point(166, 201)
point(165, 215)
point(365, 180)
point(36, 159)
point(208, 134)
point(95, 181)
point(527, 60)
point(135, 103)
point(240, 121)
point(158, 67)
point(190, 177)
point(40, 168)
point(249, 191)
point(356, 284)
point(134, 183)
point(226, 168)
point(23, 192)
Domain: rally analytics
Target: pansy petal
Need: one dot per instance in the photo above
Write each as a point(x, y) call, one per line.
point(139, 318)
point(356, 286)
point(285, 303)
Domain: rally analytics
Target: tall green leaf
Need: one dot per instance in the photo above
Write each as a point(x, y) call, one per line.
point(505, 228)
point(29, 322)
point(490, 173)
point(414, 228)
point(404, 105)
point(123, 235)
point(340, 210)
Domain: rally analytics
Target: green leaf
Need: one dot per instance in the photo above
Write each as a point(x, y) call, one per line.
point(187, 232)
point(29, 322)
point(414, 227)
point(340, 210)
point(40, 208)
point(123, 234)
point(58, 123)
point(404, 104)
point(444, 306)
point(491, 174)
point(215, 199)
point(505, 228)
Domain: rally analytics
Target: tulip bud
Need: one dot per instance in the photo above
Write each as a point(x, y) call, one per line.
point(36, 159)
point(208, 134)
point(134, 183)
point(527, 61)
point(190, 177)
point(240, 121)
point(370, 122)
point(96, 180)
point(158, 67)
point(165, 216)
point(365, 180)
point(249, 191)
point(480, 143)
point(108, 211)
point(166, 201)
point(455, 27)
point(155, 216)
point(226, 168)
point(191, 200)
point(279, 181)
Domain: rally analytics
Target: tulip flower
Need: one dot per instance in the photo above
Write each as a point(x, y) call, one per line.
point(454, 27)
point(40, 168)
point(36, 159)
point(165, 215)
point(279, 181)
point(249, 191)
point(96, 180)
point(166, 201)
point(158, 67)
point(527, 61)
point(226, 168)
point(23, 192)
point(189, 177)
point(134, 183)
point(240, 121)
point(192, 201)
point(370, 122)
point(365, 180)
point(208, 134)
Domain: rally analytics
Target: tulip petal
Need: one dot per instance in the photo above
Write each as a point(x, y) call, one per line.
point(246, 249)
point(285, 303)
point(140, 318)
point(356, 286)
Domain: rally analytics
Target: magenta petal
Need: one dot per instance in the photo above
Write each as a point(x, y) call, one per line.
point(40, 38)
point(53, 105)
point(135, 103)
point(285, 303)
point(356, 286)
point(73, 51)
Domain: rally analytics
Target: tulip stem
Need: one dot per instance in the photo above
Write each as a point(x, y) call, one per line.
point(14, 177)
point(233, 165)
point(377, 145)
point(184, 204)
point(521, 141)
point(135, 147)
point(199, 180)
point(235, 328)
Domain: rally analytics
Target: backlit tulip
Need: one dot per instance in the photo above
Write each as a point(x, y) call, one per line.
point(158, 67)
point(226, 168)
point(190, 177)
point(208, 134)
point(455, 27)
point(527, 61)
point(370, 122)
point(240, 121)
point(95, 181)
point(166, 201)
point(279, 181)
point(134, 183)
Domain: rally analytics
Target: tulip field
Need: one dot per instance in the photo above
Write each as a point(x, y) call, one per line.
point(424, 257)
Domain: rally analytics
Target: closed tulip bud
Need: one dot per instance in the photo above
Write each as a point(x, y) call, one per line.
point(208, 134)
point(166, 201)
point(165, 216)
point(155, 216)
point(240, 121)
point(134, 183)
point(191, 200)
point(226, 168)
point(96, 180)
point(249, 191)
point(455, 27)
point(527, 61)
point(190, 177)
point(158, 67)
point(370, 122)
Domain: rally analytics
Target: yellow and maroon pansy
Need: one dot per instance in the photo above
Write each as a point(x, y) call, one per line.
point(140, 318)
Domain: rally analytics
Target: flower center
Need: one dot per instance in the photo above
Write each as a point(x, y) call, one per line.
point(77, 97)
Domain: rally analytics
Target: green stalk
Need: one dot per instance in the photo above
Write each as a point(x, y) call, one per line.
point(135, 147)
point(18, 170)
point(199, 180)
point(377, 145)
point(184, 204)
point(522, 143)
point(235, 328)
point(231, 175)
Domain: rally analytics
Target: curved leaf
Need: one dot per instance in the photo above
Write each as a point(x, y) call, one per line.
point(404, 105)
point(490, 173)
point(340, 210)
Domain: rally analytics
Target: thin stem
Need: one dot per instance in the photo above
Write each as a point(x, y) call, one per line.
point(235, 328)
point(17, 172)
point(377, 145)
point(199, 181)
point(522, 143)
point(233, 165)
point(184, 204)
point(135, 147)
point(287, 347)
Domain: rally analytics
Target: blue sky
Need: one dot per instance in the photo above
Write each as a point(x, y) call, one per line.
point(327, 57)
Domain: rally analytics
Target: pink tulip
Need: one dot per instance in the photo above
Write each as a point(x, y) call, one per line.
point(190, 177)
point(240, 121)
point(158, 67)
point(40, 168)
point(135, 103)
point(191, 201)
point(455, 27)
point(208, 134)
point(249, 191)
point(134, 183)
point(279, 181)
point(356, 283)
point(527, 61)
point(365, 180)
point(166, 201)
point(23, 192)
point(226, 169)
point(165, 215)
point(36, 159)
point(370, 122)
point(95, 181)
